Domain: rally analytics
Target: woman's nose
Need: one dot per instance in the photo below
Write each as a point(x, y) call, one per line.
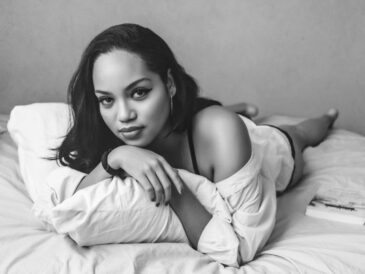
point(126, 112)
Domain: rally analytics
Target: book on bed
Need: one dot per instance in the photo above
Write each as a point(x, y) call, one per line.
point(342, 203)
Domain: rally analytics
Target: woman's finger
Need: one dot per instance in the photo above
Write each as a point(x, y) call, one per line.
point(165, 182)
point(173, 175)
point(146, 185)
point(155, 183)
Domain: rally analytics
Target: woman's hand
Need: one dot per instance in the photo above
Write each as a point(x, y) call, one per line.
point(151, 170)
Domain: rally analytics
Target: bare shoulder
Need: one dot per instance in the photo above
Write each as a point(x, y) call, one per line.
point(225, 138)
point(216, 119)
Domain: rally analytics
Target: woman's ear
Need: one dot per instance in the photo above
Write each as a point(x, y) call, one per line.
point(170, 84)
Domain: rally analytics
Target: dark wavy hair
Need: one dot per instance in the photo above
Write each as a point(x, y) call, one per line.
point(88, 136)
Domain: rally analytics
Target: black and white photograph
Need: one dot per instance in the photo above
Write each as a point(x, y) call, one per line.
point(196, 136)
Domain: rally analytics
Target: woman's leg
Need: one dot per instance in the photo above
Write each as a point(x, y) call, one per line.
point(245, 109)
point(310, 132)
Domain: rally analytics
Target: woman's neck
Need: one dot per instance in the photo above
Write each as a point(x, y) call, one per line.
point(171, 147)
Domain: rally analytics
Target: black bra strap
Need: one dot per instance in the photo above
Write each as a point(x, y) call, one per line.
point(192, 150)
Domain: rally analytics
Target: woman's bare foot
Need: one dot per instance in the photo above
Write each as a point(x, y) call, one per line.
point(332, 114)
point(314, 131)
point(246, 109)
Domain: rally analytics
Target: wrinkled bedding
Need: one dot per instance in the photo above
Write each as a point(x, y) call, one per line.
point(299, 244)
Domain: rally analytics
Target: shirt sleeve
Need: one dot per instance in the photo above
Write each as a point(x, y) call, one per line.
point(251, 200)
point(243, 208)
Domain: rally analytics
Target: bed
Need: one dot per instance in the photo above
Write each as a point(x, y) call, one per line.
point(299, 244)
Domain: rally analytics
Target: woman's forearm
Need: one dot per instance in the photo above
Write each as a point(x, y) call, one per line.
point(96, 175)
point(191, 213)
point(99, 173)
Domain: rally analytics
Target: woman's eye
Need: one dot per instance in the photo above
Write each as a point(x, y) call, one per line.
point(140, 93)
point(106, 101)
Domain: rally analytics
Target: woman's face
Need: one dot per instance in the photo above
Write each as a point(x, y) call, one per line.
point(134, 102)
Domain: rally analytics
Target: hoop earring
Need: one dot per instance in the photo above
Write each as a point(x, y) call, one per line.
point(171, 106)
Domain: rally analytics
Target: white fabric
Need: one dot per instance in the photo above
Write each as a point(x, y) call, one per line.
point(37, 129)
point(112, 211)
point(298, 244)
point(274, 150)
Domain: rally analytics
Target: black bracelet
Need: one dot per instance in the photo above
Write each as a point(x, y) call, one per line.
point(107, 167)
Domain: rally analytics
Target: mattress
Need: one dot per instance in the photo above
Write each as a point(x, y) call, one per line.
point(299, 243)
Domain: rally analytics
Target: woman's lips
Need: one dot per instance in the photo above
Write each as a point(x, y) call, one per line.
point(131, 132)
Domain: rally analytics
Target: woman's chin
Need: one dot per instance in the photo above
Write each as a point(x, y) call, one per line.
point(140, 142)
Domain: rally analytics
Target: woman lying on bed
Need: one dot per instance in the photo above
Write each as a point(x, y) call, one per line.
point(137, 113)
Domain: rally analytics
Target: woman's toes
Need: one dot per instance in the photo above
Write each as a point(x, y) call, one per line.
point(252, 110)
point(332, 114)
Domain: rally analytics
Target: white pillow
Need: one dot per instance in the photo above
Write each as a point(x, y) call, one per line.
point(36, 129)
point(108, 212)
point(111, 211)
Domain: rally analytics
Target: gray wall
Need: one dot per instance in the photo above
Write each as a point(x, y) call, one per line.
point(287, 56)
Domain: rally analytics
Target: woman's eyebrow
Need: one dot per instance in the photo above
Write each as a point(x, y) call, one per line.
point(102, 92)
point(130, 86)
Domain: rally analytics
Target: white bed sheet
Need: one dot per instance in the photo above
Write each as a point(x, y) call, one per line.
point(299, 244)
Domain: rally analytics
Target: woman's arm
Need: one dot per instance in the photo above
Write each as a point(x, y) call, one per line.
point(151, 170)
point(96, 175)
point(229, 149)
